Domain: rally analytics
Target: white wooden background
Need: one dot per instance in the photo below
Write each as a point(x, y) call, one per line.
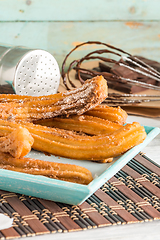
point(58, 25)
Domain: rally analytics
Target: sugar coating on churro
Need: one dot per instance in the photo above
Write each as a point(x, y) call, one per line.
point(76, 101)
point(68, 144)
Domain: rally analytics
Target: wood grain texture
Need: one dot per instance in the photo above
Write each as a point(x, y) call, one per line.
point(58, 26)
point(60, 37)
point(79, 10)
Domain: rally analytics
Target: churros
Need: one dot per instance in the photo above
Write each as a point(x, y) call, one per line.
point(71, 145)
point(76, 101)
point(113, 114)
point(59, 171)
point(71, 125)
point(18, 143)
point(96, 147)
point(82, 124)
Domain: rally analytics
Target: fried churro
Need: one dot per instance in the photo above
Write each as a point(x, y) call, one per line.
point(113, 114)
point(18, 143)
point(82, 124)
point(96, 147)
point(59, 171)
point(71, 145)
point(76, 101)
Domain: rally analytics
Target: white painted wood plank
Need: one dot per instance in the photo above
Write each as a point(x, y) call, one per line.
point(59, 38)
point(79, 10)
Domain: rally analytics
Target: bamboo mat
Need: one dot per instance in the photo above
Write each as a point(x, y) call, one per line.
point(131, 196)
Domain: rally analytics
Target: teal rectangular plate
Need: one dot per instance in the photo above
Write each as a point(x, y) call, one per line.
point(66, 192)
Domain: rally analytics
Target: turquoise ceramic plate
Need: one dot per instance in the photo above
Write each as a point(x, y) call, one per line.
point(67, 192)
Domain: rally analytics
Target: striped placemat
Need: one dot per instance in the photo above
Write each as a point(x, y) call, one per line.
point(131, 196)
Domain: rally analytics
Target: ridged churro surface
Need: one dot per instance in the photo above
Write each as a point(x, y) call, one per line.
point(60, 171)
point(113, 114)
point(76, 101)
point(82, 124)
point(71, 145)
